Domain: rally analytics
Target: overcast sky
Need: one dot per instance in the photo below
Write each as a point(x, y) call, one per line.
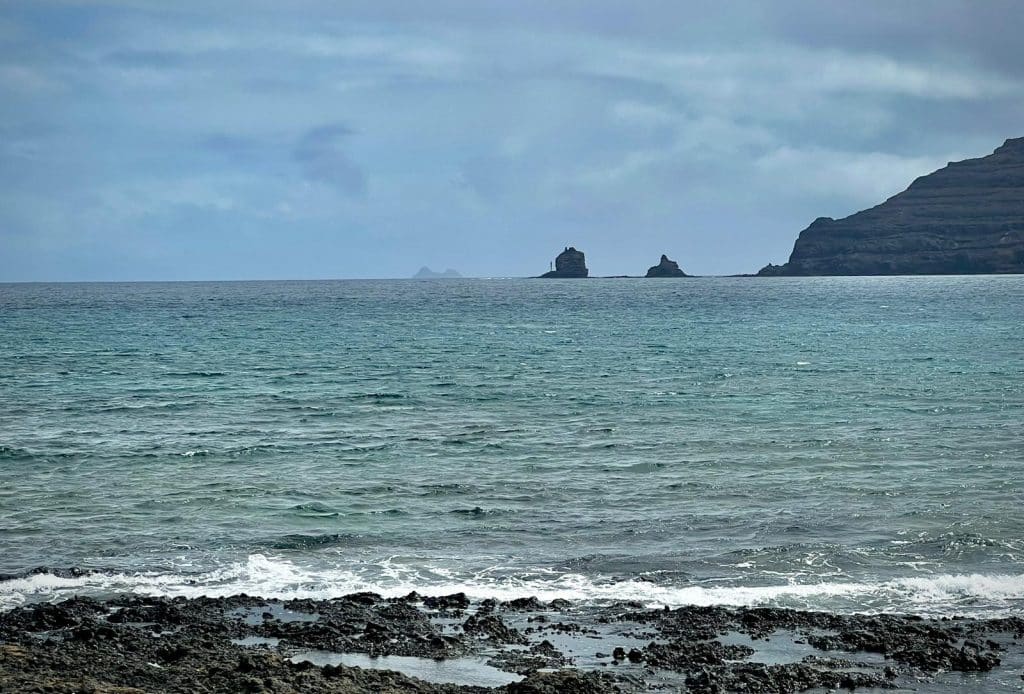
point(221, 140)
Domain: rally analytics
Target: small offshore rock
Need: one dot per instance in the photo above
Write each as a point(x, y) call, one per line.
point(666, 268)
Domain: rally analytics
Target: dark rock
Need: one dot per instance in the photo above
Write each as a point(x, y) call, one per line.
point(966, 218)
point(530, 603)
point(666, 268)
point(684, 655)
point(72, 646)
point(563, 682)
point(491, 627)
point(455, 601)
point(570, 264)
point(364, 598)
point(542, 655)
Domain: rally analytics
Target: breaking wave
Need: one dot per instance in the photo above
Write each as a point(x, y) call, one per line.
point(986, 595)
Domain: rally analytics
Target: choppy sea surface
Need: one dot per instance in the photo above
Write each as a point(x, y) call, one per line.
point(835, 443)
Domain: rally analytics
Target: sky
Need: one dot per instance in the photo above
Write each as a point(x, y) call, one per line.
point(315, 140)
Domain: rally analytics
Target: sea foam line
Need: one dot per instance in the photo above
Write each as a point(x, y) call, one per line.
point(978, 594)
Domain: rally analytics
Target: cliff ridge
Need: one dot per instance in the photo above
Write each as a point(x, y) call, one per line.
point(966, 218)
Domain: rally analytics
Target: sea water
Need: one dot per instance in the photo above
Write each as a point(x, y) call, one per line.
point(847, 444)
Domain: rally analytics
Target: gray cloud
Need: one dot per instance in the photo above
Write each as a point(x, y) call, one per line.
point(492, 133)
point(144, 58)
point(322, 159)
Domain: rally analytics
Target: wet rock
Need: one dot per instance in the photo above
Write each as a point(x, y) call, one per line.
point(686, 655)
point(493, 628)
point(542, 655)
point(530, 603)
point(454, 602)
point(564, 682)
point(756, 678)
point(73, 646)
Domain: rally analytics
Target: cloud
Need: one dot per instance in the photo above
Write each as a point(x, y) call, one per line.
point(145, 58)
point(237, 149)
point(322, 159)
point(483, 131)
point(863, 177)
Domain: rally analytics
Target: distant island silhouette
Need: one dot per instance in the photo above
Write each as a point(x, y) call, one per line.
point(425, 273)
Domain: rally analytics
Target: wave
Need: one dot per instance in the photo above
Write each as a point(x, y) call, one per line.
point(479, 512)
point(315, 509)
point(196, 374)
point(986, 595)
point(300, 541)
point(11, 453)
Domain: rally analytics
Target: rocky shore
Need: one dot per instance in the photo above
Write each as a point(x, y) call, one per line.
point(366, 643)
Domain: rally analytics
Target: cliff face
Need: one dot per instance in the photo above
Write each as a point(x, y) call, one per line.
point(570, 263)
point(967, 218)
point(666, 268)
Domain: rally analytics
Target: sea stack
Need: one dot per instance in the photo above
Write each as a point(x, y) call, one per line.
point(569, 264)
point(966, 218)
point(666, 268)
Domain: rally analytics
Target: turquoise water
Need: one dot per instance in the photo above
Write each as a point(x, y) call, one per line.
point(843, 443)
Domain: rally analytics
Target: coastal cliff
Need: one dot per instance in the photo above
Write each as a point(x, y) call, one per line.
point(966, 218)
point(570, 263)
point(666, 268)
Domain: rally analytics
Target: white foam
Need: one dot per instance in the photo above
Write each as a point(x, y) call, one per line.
point(979, 594)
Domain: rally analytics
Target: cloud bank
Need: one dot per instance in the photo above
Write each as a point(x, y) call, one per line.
point(258, 140)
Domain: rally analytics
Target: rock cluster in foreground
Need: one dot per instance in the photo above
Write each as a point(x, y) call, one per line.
point(132, 644)
point(967, 218)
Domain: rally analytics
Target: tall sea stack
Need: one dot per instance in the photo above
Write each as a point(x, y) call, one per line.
point(570, 264)
point(966, 218)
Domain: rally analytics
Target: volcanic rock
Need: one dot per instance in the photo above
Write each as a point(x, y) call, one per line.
point(666, 268)
point(966, 218)
point(570, 263)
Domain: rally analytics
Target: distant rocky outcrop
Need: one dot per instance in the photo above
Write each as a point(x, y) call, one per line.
point(966, 218)
point(666, 268)
point(426, 273)
point(570, 263)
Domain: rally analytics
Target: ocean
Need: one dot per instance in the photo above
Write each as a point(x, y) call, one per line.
point(847, 444)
